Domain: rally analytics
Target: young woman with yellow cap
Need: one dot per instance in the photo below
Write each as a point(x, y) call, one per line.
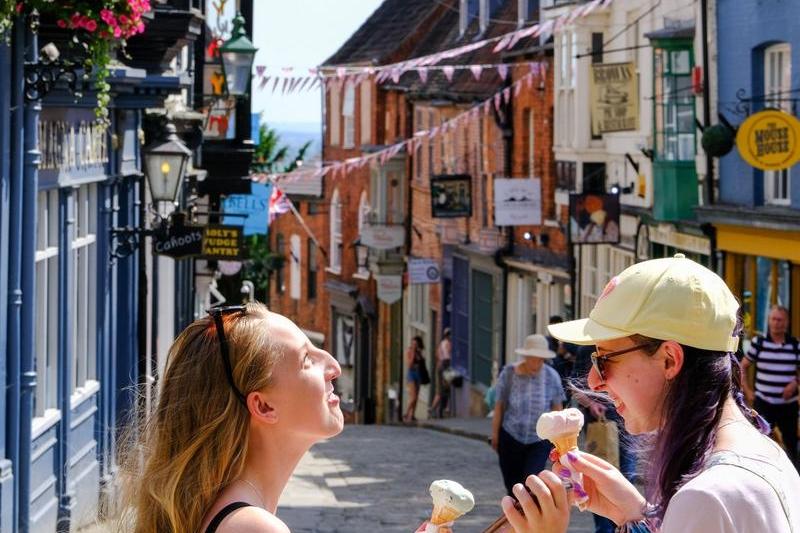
point(244, 396)
point(665, 333)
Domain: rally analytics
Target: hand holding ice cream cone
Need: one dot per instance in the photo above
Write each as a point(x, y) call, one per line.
point(450, 502)
point(562, 429)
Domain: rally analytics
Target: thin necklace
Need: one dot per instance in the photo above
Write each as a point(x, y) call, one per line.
point(731, 422)
point(258, 492)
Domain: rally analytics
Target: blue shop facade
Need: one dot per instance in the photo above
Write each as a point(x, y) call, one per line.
point(79, 301)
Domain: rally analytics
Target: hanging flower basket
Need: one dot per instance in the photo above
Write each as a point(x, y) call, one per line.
point(94, 29)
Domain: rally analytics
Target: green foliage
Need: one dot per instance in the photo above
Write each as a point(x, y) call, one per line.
point(261, 263)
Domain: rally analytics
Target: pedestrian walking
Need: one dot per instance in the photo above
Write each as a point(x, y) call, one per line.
point(415, 376)
point(666, 332)
point(245, 394)
point(524, 391)
point(443, 358)
point(776, 357)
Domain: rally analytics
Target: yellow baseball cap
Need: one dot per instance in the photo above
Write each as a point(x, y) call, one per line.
point(668, 299)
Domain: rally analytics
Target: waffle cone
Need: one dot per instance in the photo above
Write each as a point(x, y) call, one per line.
point(444, 514)
point(565, 443)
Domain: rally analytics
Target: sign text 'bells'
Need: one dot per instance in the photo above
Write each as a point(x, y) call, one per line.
point(165, 166)
point(238, 55)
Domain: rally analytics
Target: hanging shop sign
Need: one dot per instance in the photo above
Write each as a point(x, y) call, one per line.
point(594, 218)
point(615, 98)
point(517, 202)
point(208, 242)
point(451, 196)
point(382, 236)
point(423, 270)
point(769, 140)
point(248, 210)
point(390, 287)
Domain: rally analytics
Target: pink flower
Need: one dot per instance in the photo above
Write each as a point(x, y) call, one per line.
point(124, 20)
point(91, 26)
point(117, 32)
point(61, 23)
point(106, 15)
point(140, 27)
point(75, 20)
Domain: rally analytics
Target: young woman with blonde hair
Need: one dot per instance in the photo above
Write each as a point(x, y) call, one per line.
point(245, 394)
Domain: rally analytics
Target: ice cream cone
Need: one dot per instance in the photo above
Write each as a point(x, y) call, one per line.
point(444, 514)
point(565, 442)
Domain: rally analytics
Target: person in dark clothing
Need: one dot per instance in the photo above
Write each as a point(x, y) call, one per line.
point(565, 356)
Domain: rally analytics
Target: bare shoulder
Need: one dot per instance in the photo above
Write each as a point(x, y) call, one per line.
point(252, 520)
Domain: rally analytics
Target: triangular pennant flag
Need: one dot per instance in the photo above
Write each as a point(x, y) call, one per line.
point(260, 69)
point(534, 69)
point(275, 84)
point(305, 82)
point(476, 71)
point(448, 72)
point(486, 106)
point(502, 70)
point(396, 75)
point(423, 74)
point(285, 85)
point(295, 84)
point(529, 80)
point(502, 44)
point(507, 94)
point(517, 88)
point(591, 6)
point(497, 98)
point(340, 72)
point(263, 83)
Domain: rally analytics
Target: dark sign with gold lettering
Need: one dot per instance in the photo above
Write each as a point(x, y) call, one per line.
point(208, 242)
point(222, 242)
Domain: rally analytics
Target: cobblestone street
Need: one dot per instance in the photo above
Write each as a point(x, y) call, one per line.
point(376, 478)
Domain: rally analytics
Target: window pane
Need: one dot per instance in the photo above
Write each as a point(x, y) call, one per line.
point(680, 62)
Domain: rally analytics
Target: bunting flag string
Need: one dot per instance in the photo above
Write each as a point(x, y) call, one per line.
point(424, 65)
point(342, 168)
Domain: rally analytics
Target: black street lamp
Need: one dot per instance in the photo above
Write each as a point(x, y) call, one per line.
point(238, 55)
point(165, 164)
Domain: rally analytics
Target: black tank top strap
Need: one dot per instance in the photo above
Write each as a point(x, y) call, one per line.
point(224, 512)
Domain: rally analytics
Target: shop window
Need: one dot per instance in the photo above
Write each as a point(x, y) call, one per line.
point(674, 104)
point(83, 292)
point(366, 112)
point(565, 175)
point(336, 233)
point(46, 339)
point(344, 331)
point(527, 11)
point(599, 263)
point(362, 251)
point(594, 177)
point(777, 93)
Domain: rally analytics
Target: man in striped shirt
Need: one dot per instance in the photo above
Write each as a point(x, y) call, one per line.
point(777, 360)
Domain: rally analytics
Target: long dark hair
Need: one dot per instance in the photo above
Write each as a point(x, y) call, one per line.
point(691, 412)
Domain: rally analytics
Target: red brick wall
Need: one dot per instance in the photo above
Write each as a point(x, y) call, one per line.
point(538, 99)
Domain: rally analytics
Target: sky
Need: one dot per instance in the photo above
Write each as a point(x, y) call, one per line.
point(300, 34)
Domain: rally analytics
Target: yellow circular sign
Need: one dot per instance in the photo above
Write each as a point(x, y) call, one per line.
point(769, 140)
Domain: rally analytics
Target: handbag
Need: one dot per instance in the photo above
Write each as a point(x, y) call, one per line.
point(602, 440)
point(422, 368)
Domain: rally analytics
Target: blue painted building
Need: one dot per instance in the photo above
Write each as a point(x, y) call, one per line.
point(74, 313)
point(757, 212)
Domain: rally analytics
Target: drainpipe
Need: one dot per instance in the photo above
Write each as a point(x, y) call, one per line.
point(30, 187)
point(706, 100)
point(66, 234)
point(15, 224)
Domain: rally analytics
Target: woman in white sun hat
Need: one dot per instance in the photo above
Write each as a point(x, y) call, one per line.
point(524, 390)
point(666, 331)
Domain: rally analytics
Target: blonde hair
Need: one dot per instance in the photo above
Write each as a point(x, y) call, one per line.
point(194, 442)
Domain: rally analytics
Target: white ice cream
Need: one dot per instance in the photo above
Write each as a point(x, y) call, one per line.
point(556, 423)
point(451, 494)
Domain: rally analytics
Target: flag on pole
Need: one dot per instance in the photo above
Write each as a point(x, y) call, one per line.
point(278, 204)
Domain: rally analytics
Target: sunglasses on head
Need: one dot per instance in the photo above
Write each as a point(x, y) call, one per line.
point(216, 314)
point(598, 361)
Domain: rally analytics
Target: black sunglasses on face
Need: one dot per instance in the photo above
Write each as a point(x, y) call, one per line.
point(216, 314)
point(598, 361)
